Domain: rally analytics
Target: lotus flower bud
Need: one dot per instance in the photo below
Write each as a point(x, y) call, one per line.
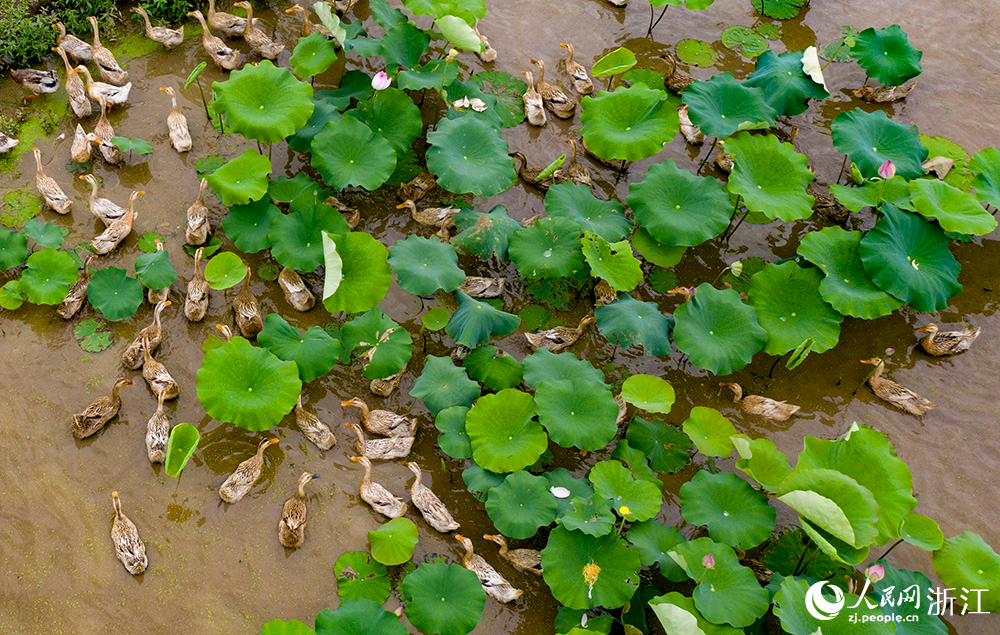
point(381, 81)
point(887, 170)
point(876, 571)
point(708, 561)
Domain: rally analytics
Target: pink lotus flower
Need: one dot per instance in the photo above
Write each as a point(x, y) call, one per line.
point(887, 170)
point(381, 81)
point(708, 561)
point(875, 572)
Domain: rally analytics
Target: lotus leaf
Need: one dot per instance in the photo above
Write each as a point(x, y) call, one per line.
point(722, 106)
point(494, 368)
point(677, 207)
point(922, 532)
point(206, 165)
point(521, 505)
point(248, 225)
point(786, 86)
point(92, 335)
point(717, 331)
point(967, 562)
point(762, 461)
point(727, 592)
point(263, 102)
point(225, 270)
point(468, 155)
point(479, 481)
point(655, 252)
point(184, 439)
point(654, 540)
point(386, 345)
point(710, 431)
point(11, 295)
point(779, 9)
point(734, 512)
point(49, 275)
point(589, 516)
point(392, 115)
point(347, 152)
point(358, 617)
point(953, 209)
point(386, 16)
point(790, 607)
point(585, 571)
point(359, 576)
point(458, 33)
point(908, 258)
point(568, 622)
point(677, 614)
point(45, 234)
point(475, 322)
point(667, 447)
point(443, 598)
point(365, 276)
point(242, 179)
point(697, 52)
point(435, 319)
point(632, 498)
point(213, 245)
point(578, 204)
point(636, 461)
point(503, 435)
point(112, 292)
point(291, 627)
point(393, 542)
point(770, 176)
point(832, 547)
point(614, 63)
point(550, 248)
point(468, 10)
point(433, 74)
point(577, 413)
point(333, 266)
point(986, 166)
point(330, 20)
point(314, 352)
point(746, 40)
point(155, 270)
point(312, 56)
point(630, 123)
point(650, 393)
point(247, 386)
point(403, 44)
point(485, 235)
point(651, 79)
point(126, 144)
point(424, 265)
point(545, 365)
point(959, 174)
point(791, 309)
point(577, 488)
point(834, 502)
point(508, 91)
point(325, 109)
point(887, 55)
point(626, 322)
point(453, 440)
point(871, 139)
point(912, 619)
point(13, 248)
point(443, 385)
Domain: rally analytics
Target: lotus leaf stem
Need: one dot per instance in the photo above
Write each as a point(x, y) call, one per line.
point(652, 25)
point(894, 545)
point(715, 141)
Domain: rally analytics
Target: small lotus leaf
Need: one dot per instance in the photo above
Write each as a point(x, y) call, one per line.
point(45, 234)
point(746, 40)
point(443, 385)
point(184, 439)
point(710, 431)
point(248, 225)
point(521, 505)
point(365, 277)
point(966, 561)
point(589, 516)
point(650, 393)
point(443, 598)
point(13, 248)
point(678, 208)
point(49, 275)
point(225, 270)
point(11, 295)
point(393, 542)
point(358, 617)
point(717, 331)
point(578, 204)
point(577, 487)
point(791, 309)
point(770, 176)
point(280, 627)
point(424, 265)
point(722, 106)
point(242, 179)
point(112, 292)
point(654, 540)
point(347, 152)
point(651, 79)
point(314, 352)
point(263, 102)
point(392, 115)
point(508, 91)
point(138, 146)
point(921, 531)
point(468, 155)
point(734, 512)
point(614, 63)
point(626, 322)
point(577, 413)
point(475, 322)
point(435, 319)
point(633, 499)
point(545, 365)
point(494, 368)
point(871, 139)
point(939, 147)
point(312, 55)
point(887, 55)
point(479, 481)
point(91, 334)
point(453, 440)
point(656, 252)
point(612, 262)
point(697, 52)
point(485, 235)
point(387, 345)
point(953, 209)
point(503, 435)
point(762, 461)
point(155, 270)
point(585, 571)
point(630, 123)
point(206, 165)
point(433, 74)
point(667, 447)
point(786, 86)
point(779, 9)
point(359, 576)
point(986, 166)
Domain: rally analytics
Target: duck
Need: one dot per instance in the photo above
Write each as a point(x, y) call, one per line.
point(225, 332)
point(224, 57)
point(116, 232)
point(384, 387)
point(99, 412)
point(315, 430)
point(155, 296)
point(622, 409)
point(157, 376)
point(72, 45)
point(382, 449)
point(558, 338)
point(160, 34)
point(430, 506)
point(675, 80)
point(135, 353)
point(604, 293)
point(534, 105)
point(692, 133)
point(577, 72)
point(79, 151)
point(196, 302)
point(479, 287)
point(55, 198)
point(78, 100)
point(257, 39)
point(723, 159)
point(383, 422)
point(239, 483)
point(296, 292)
point(898, 396)
point(308, 28)
point(555, 99)
point(7, 143)
point(948, 343)
point(177, 125)
point(488, 54)
point(73, 301)
point(885, 94)
point(574, 171)
point(36, 81)
point(495, 585)
point(292, 526)
point(158, 433)
point(247, 310)
point(226, 23)
point(198, 228)
point(828, 206)
point(104, 209)
point(378, 497)
point(524, 559)
point(415, 189)
point(351, 214)
point(107, 65)
point(762, 406)
point(530, 174)
point(116, 95)
point(110, 154)
point(441, 217)
point(129, 548)
point(106, 134)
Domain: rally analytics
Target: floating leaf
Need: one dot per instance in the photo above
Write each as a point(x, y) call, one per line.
point(578, 204)
point(206, 165)
point(614, 63)
point(634, 499)
point(493, 368)
point(263, 102)
point(779, 9)
point(347, 152)
point(213, 245)
point(443, 385)
point(280, 627)
point(125, 144)
point(155, 270)
point(967, 562)
point(468, 155)
point(312, 55)
point(651, 79)
point(585, 571)
point(626, 322)
point(248, 225)
point(92, 335)
point(503, 435)
point(11, 295)
point(433, 74)
point(722, 106)
point(791, 309)
point(562, 479)
point(953, 209)
point(735, 513)
point(314, 352)
point(385, 344)
point(696, 52)
point(48, 276)
point(297, 239)
point(225, 270)
point(242, 179)
point(392, 115)
point(887, 55)
point(184, 439)
point(986, 166)
point(485, 235)
point(393, 542)
point(453, 440)
point(871, 139)
point(717, 331)
point(653, 540)
point(435, 319)
point(577, 413)
point(650, 393)
point(833, 502)
point(667, 447)
point(443, 598)
point(770, 176)
point(612, 262)
point(521, 505)
point(588, 516)
point(727, 592)
point(630, 123)
point(111, 292)
point(365, 277)
point(941, 148)
point(44, 234)
point(786, 86)
point(422, 265)
point(475, 322)
point(13, 248)
point(710, 431)
point(480, 481)
point(749, 42)
point(359, 576)
point(508, 91)
point(358, 616)
point(545, 365)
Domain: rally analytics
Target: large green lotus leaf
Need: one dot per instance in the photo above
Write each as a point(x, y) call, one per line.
point(242, 179)
point(614, 63)
point(312, 56)
point(365, 277)
point(588, 515)
point(325, 109)
point(13, 248)
point(585, 572)
point(907, 257)
point(403, 44)
point(734, 512)
point(626, 322)
point(359, 576)
point(986, 166)
point(424, 265)
point(545, 365)
point(479, 482)
point(717, 331)
point(633, 499)
point(521, 505)
point(155, 270)
point(913, 618)
point(468, 155)
point(727, 592)
point(613, 262)
point(834, 502)
point(182, 443)
point(678, 614)
point(846, 285)
point(475, 322)
point(246, 385)
point(770, 176)
point(433, 74)
point(866, 455)
point(347, 152)
point(887, 55)
point(263, 102)
point(280, 627)
point(953, 209)
point(778, 9)
point(721, 106)
point(45, 234)
point(387, 345)
point(762, 461)
point(922, 531)
point(485, 235)
point(630, 123)
point(577, 488)
point(443, 385)
point(871, 139)
point(667, 447)
point(503, 435)
point(297, 238)
point(392, 115)
point(48, 276)
point(791, 309)
point(653, 540)
point(577, 413)
point(248, 225)
point(443, 598)
point(393, 542)
point(225, 270)
point(677, 207)
point(112, 292)
point(453, 440)
point(967, 562)
point(710, 431)
point(872, 193)
point(650, 393)
point(853, 618)
point(358, 617)
point(578, 204)
point(786, 86)
point(508, 91)
point(314, 352)
point(494, 368)
point(550, 248)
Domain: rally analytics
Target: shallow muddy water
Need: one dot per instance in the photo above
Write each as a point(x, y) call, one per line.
point(219, 569)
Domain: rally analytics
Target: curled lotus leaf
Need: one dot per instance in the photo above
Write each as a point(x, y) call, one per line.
point(631, 498)
point(312, 55)
point(181, 445)
point(453, 440)
point(717, 331)
point(297, 238)
point(614, 63)
point(442, 385)
point(710, 431)
point(13, 248)
point(630, 123)
point(833, 502)
point(242, 179)
point(953, 209)
point(263, 102)
point(365, 275)
point(494, 368)
point(385, 344)
point(779, 9)
point(612, 262)
point(722, 106)
point(986, 166)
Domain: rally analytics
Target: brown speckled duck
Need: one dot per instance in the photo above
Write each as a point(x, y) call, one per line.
point(479, 287)
point(77, 92)
point(104, 209)
point(383, 448)
point(762, 406)
point(296, 292)
point(117, 231)
point(99, 412)
point(292, 526)
point(129, 548)
point(577, 72)
point(157, 376)
point(247, 310)
point(157, 433)
point(177, 125)
point(224, 57)
point(73, 301)
point(949, 342)
point(430, 506)
point(198, 228)
point(107, 65)
point(135, 354)
point(315, 430)
point(55, 198)
point(534, 105)
point(160, 34)
point(226, 23)
point(556, 100)
point(74, 46)
point(558, 338)
point(899, 396)
point(493, 583)
point(196, 302)
point(524, 559)
point(247, 472)
point(383, 422)
point(380, 499)
point(257, 39)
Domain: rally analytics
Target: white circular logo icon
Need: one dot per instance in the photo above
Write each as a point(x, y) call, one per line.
point(818, 606)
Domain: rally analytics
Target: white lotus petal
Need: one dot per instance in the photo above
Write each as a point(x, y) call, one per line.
point(560, 492)
point(811, 67)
